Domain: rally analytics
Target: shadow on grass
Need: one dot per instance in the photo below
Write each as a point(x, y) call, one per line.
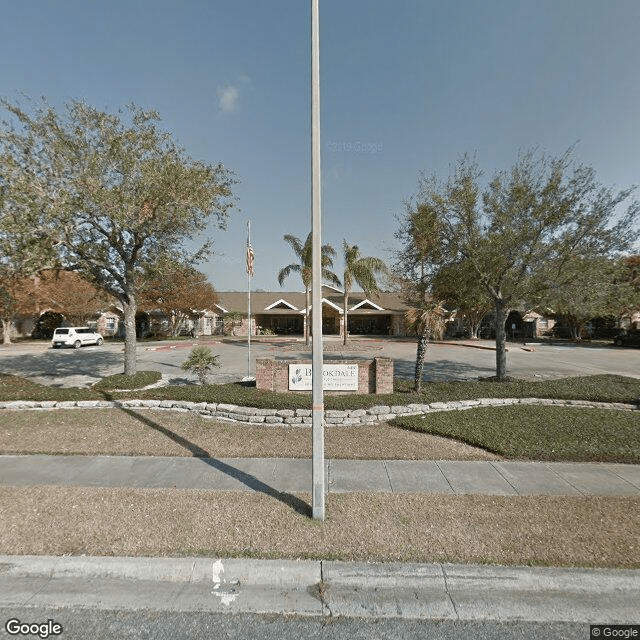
point(253, 483)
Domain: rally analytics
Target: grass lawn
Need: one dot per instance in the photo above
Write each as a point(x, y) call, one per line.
point(594, 531)
point(539, 432)
point(589, 531)
point(167, 433)
point(601, 388)
point(521, 432)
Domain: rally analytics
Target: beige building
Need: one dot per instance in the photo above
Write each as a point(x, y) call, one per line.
point(284, 312)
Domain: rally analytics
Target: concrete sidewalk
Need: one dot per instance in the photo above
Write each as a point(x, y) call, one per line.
point(294, 475)
point(321, 588)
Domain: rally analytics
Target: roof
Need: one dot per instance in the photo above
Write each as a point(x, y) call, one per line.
point(288, 302)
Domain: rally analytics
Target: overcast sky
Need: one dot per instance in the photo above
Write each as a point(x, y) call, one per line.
point(406, 86)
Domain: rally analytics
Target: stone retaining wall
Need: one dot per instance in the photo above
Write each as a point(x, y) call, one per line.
point(302, 417)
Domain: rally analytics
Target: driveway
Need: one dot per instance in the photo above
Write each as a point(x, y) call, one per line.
point(70, 367)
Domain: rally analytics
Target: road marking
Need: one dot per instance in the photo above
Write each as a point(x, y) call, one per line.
point(226, 596)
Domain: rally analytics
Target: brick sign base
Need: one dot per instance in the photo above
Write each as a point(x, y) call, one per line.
point(374, 376)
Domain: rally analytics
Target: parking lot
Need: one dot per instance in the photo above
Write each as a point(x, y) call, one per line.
point(444, 361)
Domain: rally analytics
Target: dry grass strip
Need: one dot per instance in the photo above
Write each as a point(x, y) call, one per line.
point(169, 433)
point(561, 531)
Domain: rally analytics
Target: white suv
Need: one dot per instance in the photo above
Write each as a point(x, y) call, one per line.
point(75, 337)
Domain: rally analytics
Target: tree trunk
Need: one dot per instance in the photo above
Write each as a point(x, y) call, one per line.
point(130, 362)
point(345, 322)
point(306, 316)
point(501, 339)
point(420, 354)
point(6, 331)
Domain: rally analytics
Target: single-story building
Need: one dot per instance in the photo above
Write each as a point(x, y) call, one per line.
point(284, 313)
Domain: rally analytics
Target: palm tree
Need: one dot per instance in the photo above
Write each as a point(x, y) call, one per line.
point(304, 268)
point(428, 321)
point(361, 270)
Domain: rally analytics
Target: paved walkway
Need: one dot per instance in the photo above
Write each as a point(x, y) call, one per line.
point(294, 475)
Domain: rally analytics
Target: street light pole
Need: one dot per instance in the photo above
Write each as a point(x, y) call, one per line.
point(317, 471)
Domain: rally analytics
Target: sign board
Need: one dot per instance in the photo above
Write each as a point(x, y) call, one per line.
point(335, 377)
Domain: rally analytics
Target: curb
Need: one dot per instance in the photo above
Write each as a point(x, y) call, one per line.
point(322, 589)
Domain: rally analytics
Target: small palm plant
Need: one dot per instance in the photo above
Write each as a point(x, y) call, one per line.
point(201, 361)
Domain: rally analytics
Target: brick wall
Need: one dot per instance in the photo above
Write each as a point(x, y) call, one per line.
point(374, 376)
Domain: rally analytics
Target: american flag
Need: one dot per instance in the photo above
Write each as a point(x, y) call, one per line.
point(250, 259)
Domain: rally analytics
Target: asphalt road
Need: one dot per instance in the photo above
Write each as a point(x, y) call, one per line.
point(80, 623)
point(69, 367)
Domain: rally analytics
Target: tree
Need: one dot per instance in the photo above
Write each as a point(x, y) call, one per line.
point(67, 292)
point(586, 288)
point(361, 270)
point(116, 192)
point(25, 247)
point(232, 320)
point(304, 268)
point(178, 290)
point(631, 276)
point(542, 211)
point(428, 320)
point(456, 284)
point(17, 298)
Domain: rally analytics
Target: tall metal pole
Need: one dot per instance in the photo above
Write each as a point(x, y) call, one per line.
point(317, 472)
point(249, 274)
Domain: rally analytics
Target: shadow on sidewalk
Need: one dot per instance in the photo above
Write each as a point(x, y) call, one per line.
point(253, 483)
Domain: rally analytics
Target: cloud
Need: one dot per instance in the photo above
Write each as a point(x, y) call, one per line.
point(228, 98)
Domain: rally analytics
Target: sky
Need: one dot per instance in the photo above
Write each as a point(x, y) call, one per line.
point(407, 86)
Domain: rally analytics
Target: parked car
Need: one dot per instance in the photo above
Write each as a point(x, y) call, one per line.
point(75, 337)
point(628, 339)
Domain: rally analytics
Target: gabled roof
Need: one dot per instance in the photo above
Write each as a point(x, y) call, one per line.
point(366, 304)
point(295, 302)
point(280, 304)
point(331, 304)
point(332, 288)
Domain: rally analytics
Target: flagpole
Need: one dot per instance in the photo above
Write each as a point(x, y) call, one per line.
point(249, 274)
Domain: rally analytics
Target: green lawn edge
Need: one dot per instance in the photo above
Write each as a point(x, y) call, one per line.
point(597, 388)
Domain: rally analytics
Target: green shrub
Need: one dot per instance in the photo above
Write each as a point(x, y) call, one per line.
point(201, 361)
point(121, 381)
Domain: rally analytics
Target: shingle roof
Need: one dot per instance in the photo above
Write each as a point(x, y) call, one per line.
point(260, 300)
